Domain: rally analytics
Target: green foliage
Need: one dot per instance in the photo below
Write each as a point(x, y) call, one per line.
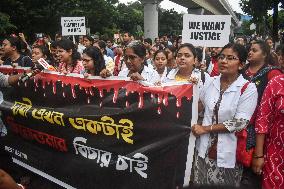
point(5, 24)
point(33, 16)
point(246, 27)
point(170, 22)
point(280, 19)
point(255, 8)
point(258, 10)
point(104, 17)
point(130, 16)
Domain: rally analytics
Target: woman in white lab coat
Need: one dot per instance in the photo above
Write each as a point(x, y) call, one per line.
point(228, 107)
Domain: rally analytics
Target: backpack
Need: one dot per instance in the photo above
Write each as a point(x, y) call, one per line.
point(243, 153)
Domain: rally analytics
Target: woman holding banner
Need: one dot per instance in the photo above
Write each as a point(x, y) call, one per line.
point(69, 57)
point(185, 71)
point(228, 107)
point(136, 66)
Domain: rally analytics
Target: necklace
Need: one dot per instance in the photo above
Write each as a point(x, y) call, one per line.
point(181, 78)
point(224, 88)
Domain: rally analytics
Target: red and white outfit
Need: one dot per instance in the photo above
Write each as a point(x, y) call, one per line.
point(270, 121)
point(213, 68)
point(68, 68)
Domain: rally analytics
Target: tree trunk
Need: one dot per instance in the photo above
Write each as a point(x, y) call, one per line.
point(275, 21)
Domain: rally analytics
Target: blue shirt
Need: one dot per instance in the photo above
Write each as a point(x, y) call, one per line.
point(110, 52)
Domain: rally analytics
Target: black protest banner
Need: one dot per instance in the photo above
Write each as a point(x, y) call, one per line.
point(91, 133)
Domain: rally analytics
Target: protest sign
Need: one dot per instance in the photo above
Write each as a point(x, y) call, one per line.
point(73, 26)
point(93, 133)
point(206, 30)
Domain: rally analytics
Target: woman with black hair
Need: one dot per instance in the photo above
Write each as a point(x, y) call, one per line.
point(12, 47)
point(109, 63)
point(228, 108)
point(171, 50)
point(41, 51)
point(69, 57)
point(88, 41)
point(185, 70)
point(178, 42)
point(269, 127)
point(54, 55)
point(258, 71)
point(136, 66)
point(160, 62)
point(93, 61)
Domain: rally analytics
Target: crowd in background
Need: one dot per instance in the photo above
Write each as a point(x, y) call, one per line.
point(241, 87)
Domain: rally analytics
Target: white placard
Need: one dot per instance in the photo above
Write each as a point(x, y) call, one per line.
point(73, 26)
point(206, 30)
point(252, 26)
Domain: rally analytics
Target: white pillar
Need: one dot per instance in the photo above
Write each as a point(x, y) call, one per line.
point(151, 18)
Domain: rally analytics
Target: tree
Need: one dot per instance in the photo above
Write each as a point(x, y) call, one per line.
point(33, 16)
point(246, 27)
point(5, 24)
point(280, 19)
point(130, 16)
point(170, 22)
point(104, 17)
point(258, 10)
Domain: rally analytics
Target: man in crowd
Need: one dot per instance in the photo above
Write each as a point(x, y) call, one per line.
point(241, 40)
point(213, 69)
point(109, 48)
point(12, 47)
point(126, 38)
point(148, 43)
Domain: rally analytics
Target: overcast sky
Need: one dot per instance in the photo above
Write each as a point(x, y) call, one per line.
point(166, 4)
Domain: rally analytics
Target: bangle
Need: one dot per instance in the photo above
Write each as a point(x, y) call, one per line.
point(21, 186)
point(257, 157)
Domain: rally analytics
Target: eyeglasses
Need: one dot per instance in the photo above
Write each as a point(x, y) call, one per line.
point(228, 57)
point(129, 57)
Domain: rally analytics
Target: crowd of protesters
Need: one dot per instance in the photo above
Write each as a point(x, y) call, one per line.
point(241, 87)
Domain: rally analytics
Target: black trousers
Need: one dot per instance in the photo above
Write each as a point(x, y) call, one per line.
point(250, 179)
